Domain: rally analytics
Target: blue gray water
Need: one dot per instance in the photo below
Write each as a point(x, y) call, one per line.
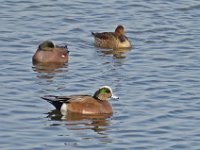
point(157, 81)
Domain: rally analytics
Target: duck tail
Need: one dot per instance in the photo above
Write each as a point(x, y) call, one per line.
point(53, 100)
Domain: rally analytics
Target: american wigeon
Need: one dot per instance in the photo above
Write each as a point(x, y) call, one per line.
point(48, 52)
point(84, 104)
point(112, 40)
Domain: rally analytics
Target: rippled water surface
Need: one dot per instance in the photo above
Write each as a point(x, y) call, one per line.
point(157, 81)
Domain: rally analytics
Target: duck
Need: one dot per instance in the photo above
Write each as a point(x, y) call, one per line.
point(112, 40)
point(48, 52)
point(84, 104)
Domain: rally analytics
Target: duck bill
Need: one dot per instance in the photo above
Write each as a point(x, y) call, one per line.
point(115, 97)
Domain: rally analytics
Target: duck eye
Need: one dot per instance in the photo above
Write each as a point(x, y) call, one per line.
point(107, 91)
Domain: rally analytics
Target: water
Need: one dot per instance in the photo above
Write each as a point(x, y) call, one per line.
point(157, 81)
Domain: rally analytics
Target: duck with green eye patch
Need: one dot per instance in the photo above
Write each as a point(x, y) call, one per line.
point(84, 104)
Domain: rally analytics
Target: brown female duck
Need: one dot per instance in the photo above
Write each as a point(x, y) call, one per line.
point(112, 40)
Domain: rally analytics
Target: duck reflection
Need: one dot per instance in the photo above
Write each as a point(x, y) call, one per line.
point(47, 71)
point(96, 123)
point(48, 68)
point(116, 53)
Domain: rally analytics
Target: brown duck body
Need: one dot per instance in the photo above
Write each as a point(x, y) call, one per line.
point(89, 105)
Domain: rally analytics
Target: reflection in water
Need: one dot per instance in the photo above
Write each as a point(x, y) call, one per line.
point(96, 123)
point(116, 53)
point(48, 68)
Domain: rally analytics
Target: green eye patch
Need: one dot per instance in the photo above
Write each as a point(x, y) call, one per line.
point(103, 91)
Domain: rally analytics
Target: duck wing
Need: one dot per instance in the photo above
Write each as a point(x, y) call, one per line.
point(57, 101)
point(104, 35)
